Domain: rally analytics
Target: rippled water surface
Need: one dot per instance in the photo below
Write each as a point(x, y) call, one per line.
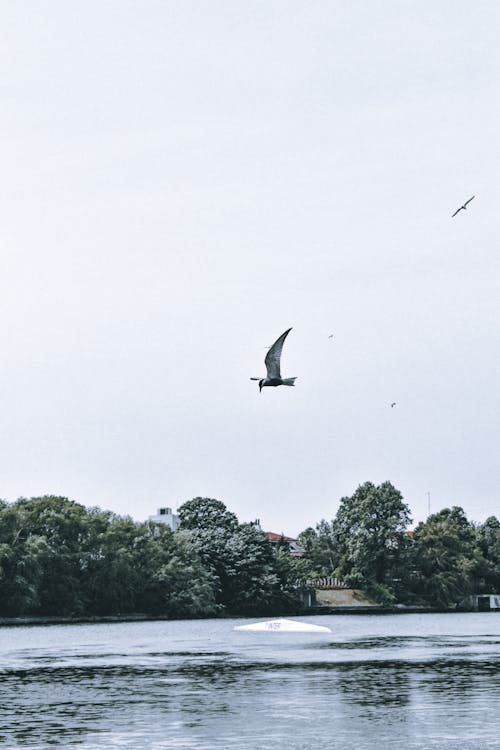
point(398, 681)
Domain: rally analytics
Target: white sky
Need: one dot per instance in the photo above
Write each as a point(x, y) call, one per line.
point(180, 183)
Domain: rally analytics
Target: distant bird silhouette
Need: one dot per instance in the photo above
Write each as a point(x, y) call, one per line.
point(462, 208)
point(272, 361)
point(330, 336)
point(393, 404)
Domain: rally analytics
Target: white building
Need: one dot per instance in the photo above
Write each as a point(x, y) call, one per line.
point(485, 602)
point(165, 515)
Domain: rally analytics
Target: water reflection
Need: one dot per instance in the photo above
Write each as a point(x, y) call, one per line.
point(212, 689)
point(371, 685)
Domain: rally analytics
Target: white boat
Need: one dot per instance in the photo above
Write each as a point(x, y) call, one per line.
point(284, 626)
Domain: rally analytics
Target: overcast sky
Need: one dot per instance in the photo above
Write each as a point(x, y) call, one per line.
point(183, 181)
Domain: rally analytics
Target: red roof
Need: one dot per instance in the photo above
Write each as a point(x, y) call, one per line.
point(278, 537)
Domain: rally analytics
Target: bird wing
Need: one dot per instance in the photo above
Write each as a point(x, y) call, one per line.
point(273, 356)
point(466, 202)
point(456, 212)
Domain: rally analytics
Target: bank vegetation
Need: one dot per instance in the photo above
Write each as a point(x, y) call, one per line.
point(59, 558)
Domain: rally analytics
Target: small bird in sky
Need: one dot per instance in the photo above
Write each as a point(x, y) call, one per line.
point(330, 336)
point(393, 405)
point(272, 361)
point(462, 208)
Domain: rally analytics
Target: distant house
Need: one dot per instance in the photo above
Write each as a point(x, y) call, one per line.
point(166, 517)
point(286, 541)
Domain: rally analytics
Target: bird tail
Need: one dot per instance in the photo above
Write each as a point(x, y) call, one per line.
point(288, 381)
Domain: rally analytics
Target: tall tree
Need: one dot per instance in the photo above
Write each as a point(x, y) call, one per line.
point(174, 580)
point(111, 577)
point(488, 544)
point(206, 513)
point(319, 548)
point(444, 557)
point(238, 556)
point(46, 535)
point(369, 538)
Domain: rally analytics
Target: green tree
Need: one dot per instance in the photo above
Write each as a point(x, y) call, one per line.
point(111, 578)
point(20, 575)
point(239, 557)
point(59, 558)
point(319, 548)
point(43, 567)
point(369, 539)
point(206, 513)
point(250, 582)
point(488, 547)
point(174, 581)
point(444, 558)
point(292, 573)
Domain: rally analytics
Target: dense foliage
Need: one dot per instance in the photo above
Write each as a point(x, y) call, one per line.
point(249, 573)
point(59, 558)
point(369, 546)
point(369, 538)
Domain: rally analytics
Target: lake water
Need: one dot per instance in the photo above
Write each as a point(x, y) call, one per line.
point(393, 681)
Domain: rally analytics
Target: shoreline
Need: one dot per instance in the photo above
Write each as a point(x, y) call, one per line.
point(26, 620)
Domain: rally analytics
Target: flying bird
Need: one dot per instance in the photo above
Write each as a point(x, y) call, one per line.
point(330, 336)
point(272, 362)
point(393, 404)
point(462, 208)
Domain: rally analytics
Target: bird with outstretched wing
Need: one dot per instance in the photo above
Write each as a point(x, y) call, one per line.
point(273, 362)
point(273, 357)
point(462, 208)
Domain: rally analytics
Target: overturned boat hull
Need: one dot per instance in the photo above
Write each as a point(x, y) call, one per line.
point(284, 626)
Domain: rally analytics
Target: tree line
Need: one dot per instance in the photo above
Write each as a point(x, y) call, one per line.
point(439, 564)
point(59, 558)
